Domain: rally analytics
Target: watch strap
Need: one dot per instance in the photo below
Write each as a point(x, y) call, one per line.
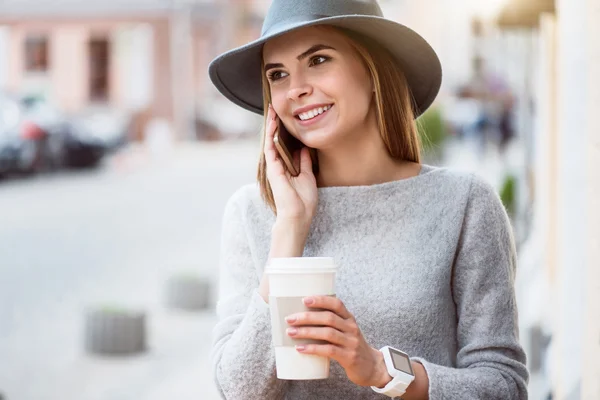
point(395, 388)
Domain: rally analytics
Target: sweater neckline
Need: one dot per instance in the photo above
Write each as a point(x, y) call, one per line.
point(425, 169)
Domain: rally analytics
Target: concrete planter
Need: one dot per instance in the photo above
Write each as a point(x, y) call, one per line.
point(115, 332)
point(188, 293)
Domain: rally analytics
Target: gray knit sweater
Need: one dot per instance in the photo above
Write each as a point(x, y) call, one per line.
point(425, 264)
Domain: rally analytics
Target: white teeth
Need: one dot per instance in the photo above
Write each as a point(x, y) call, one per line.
point(313, 113)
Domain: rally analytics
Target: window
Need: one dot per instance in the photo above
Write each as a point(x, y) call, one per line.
point(99, 53)
point(36, 54)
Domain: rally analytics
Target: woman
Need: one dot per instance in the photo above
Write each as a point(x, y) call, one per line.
point(426, 256)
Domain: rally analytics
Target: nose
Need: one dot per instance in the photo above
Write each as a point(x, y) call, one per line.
point(298, 89)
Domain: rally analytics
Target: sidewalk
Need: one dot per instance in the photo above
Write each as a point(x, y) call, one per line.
point(114, 236)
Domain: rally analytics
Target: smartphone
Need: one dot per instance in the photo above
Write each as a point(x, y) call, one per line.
point(286, 146)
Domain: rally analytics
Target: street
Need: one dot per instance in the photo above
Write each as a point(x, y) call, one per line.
point(112, 237)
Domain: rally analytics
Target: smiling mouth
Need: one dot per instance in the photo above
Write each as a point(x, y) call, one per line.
point(307, 116)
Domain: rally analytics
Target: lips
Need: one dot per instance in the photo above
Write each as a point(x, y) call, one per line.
point(308, 113)
point(316, 118)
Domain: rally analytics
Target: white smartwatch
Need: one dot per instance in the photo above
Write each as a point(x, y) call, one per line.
point(400, 369)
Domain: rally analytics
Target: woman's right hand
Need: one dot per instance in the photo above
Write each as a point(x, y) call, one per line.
point(295, 196)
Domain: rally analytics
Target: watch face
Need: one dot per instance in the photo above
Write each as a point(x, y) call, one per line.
point(401, 361)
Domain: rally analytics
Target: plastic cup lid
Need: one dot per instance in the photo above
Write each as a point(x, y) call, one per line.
point(301, 264)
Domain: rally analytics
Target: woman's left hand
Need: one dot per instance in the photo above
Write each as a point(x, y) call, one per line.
point(363, 364)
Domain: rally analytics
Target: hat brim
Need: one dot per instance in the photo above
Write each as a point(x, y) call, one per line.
point(237, 73)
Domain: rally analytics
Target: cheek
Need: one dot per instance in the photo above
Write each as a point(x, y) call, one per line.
point(333, 86)
point(282, 109)
point(360, 91)
point(278, 100)
point(355, 103)
point(356, 93)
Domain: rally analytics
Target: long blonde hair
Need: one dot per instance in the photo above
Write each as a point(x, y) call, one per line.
point(396, 109)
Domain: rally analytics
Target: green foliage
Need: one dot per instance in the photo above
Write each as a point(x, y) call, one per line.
point(432, 130)
point(508, 194)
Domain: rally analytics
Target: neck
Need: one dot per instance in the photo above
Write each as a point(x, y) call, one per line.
point(363, 162)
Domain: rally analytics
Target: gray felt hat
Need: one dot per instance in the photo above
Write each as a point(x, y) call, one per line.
point(237, 73)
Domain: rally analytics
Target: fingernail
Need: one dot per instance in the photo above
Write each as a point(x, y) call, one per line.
point(300, 348)
point(292, 331)
point(308, 301)
point(290, 320)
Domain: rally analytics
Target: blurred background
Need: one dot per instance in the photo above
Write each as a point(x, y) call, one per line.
point(117, 157)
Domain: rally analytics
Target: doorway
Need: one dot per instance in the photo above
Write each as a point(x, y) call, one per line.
point(99, 56)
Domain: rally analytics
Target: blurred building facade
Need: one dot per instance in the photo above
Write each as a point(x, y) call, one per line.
point(576, 198)
point(148, 57)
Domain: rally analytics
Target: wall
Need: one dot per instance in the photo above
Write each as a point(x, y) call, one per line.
point(591, 356)
point(69, 72)
point(140, 64)
point(572, 203)
point(4, 55)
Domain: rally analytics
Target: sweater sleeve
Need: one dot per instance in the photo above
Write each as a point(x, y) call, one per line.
point(242, 354)
point(490, 362)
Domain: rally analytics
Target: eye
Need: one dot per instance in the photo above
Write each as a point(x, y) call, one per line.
point(275, 75)
point(316, 60)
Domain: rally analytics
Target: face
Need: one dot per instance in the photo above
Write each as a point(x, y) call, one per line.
point(320, 88)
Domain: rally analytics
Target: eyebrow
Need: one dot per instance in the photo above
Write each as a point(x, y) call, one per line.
point(313, 49)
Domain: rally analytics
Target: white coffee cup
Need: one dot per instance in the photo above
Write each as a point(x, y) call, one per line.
point(291, 280)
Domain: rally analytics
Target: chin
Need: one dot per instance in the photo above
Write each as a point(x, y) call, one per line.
point(319, 139)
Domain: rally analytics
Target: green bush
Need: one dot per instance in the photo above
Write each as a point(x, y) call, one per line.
point(508, 194)
point(432, 129)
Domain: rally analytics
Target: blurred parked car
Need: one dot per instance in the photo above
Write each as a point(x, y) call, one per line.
point(18, 147)
point(96, 132)
point(35, 136)
point(48, 128)
point(85, 138)
point(109, 126)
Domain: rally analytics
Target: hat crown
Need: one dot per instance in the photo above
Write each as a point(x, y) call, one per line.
point(284, 12)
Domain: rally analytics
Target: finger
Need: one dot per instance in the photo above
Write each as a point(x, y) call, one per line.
point(328, 303)
point(325, 350)
point(322, 318)
point(269, 146)
point(274, 165)
point(305, 161)
point(328, 334)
